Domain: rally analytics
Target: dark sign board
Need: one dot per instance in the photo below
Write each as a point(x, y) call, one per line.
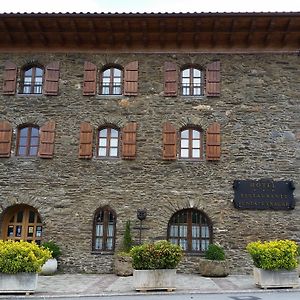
point(263, 194)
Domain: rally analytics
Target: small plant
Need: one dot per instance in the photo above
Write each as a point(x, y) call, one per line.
point(274, 255)
point(16, 257)
point(127, 239)
point(214, 252)
point(53, 248)
point(158, 255)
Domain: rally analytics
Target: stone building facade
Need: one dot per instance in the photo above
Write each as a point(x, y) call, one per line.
point(71, 188)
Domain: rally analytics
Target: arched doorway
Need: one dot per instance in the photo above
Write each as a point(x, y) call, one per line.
point(22, 222)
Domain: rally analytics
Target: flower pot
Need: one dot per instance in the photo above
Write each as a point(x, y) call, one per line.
point(213, 268)
point(18, 283)
point(276, 278)
point(49, 267)
point(160, 279)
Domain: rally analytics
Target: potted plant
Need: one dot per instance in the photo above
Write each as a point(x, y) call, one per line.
point(123, 260)
point(275, 263)
point(20, 263)
point(50, 266)
point(155, 265)
point(214, 263)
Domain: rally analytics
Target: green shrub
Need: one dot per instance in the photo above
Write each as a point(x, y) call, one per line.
point(158, 255)
point(53, 248)
point(214, 252)
point(274, 255)
point(16, 257)
point(127, 239)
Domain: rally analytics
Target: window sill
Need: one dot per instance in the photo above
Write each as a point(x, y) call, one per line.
point(102, 252)
point(110, 97)
point(30, 95)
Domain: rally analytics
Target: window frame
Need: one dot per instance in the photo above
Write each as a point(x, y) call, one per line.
point(190, 140)
point(28, 146)
point(108, 139)
point(192, 86)
point(33, 84)
point(112, 80)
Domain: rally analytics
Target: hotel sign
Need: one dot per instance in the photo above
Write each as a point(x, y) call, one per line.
point(263, 194)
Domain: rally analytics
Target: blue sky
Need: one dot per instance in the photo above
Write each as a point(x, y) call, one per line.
point(149, 6)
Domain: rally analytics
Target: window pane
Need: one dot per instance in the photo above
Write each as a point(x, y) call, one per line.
point(110, 230)
point(196, 144)
point(186, 73)
point(196, 153)
point(24, 131)
point(184, 143)
point(106, 73)
point(197, 91)
point(204, 245)
point(109, 244)
point(34, 131)
point(34, 141)
point(31, 216)
point(103, 132)
point(117, 72)
point(196, 134)
point(20, 216)
point(98, 243)
point(102, 142)
point(114, 142)
point(195, 231)
point(204, 231)
point(184, 153)
point(113, 152)
point(105, 81)
point(33, 151)
point(38, 231)
point(18, 230)
point(105, 91)
point(117, 90)
point(38, 72)
point(197, 73)
point(102, 152)
point(22, 151)
point(23, 141)
point(99, 230)
point(185, 81)
point(114, 133)
point(183, 244)
point(185, 91)
point(197, 81)
point(185, 134)
point(196, 245)
point(183, 230)
point(10, 231)
point(27, 80)
point(28, 72)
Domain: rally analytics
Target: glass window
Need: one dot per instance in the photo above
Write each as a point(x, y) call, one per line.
point(27, 141)
point(191, 229)
point(104, 230)
point(108, 142)
point(191, 144)
point(111, 82)
point(192, 82)
point(32, 80)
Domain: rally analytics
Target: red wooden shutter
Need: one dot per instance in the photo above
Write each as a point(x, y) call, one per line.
point(86, 141)
point(171, 79)
point(213, 142)
point(47, 136)
point(131, 79)
point(89, 79)
point(51, 79)
point(169, 142)
point(129, 141)
point(213, 79)
point(5, 138)
point(10, 78)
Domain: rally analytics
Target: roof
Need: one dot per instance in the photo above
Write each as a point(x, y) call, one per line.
point(151, 31)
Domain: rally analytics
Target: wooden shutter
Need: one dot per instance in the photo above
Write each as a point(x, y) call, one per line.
point(47, 137)
point(131, 79)
point(89, 79)
point(129, 141)
point(51, 79)
point(213, 142)
point(10, 78)
point(171, 79)
point(5, 138)
point(169, 142)
point(86, 141)
point(213, 79)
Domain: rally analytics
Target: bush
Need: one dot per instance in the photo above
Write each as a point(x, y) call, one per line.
point(53, 248)
point(158, 255)
point(16, 257)
point(274, 255)
point(214, 252)
point(127, 240)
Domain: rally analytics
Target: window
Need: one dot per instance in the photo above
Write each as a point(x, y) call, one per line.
point(22, 223)
point(28, 141)
point(104, 230)
point(111, 82)
point(191, 144)
point(32, 80)
point(192, 82)
point(191, 229)
point(108, 142)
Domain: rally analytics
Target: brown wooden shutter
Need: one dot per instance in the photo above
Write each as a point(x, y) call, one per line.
point(129, 141)
point(86, 141)
point(51, 79)
point(131, 79)
point(10, 78)
point(5, 138)
point(213, 142)
point(89, 79)
point(171, 79)
point(213, 79)
point(169, 142)
point(47, 137)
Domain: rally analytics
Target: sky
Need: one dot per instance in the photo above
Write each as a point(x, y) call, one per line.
point(149, 6)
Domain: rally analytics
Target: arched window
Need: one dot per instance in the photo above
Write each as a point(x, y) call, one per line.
point(104, 230)
point(111, 81)
point(32, 80)
point(22, 222)
point(191, 229)
point(27, 141)
point(191, 143)
point(192, 82)
point(108, 142)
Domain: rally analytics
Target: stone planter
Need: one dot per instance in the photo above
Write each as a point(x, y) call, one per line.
point(147, 280)
point(18, 283)
point(276, 279)
point(49, 267)
point(123, 265)
point(213, 268)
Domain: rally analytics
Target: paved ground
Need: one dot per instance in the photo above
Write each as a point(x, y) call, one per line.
point(110, 284)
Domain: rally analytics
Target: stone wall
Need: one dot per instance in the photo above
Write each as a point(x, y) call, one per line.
point(259, 113)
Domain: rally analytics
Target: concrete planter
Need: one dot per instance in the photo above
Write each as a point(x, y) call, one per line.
point(18, 283)
point(123, 265)
point(162, 279)
point(213, 268)
point(276, 279)
point(49, 267)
